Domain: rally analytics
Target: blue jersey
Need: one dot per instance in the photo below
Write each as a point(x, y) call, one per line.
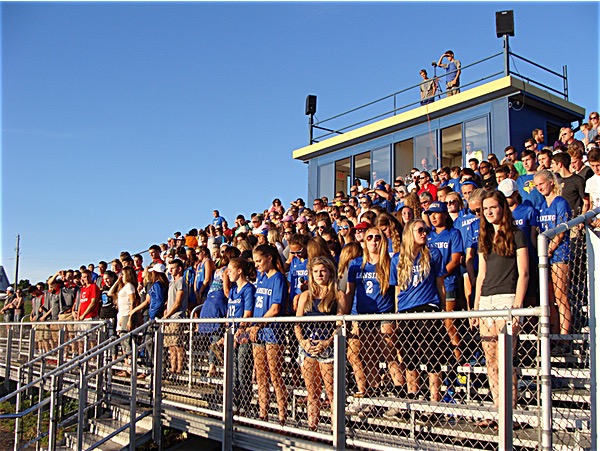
point(240, 301)
point(551, 215)
point(158, 298)
point(420, 292)
point(189, 276)
point(528, 191)
point(448, 242)
point(269, 291)
point(368, 297)
point(384, 203)
point(472, 241)
point(454, 184)
point(526, 217)
point(462, 223)
point(215, 305)
point(297, 271)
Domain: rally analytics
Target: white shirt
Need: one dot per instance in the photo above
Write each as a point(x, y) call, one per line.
point(123, 302)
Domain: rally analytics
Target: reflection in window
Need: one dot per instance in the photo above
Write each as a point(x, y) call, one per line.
point(342, 175)
point(403, 158)
point(476, 139)
point(452, 146)
point(326, 181)
point(381, 165)
point(425, 152)
point(362, 168)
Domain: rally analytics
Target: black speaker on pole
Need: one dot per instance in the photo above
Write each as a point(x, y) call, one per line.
point(311, 105)
point(505, 23)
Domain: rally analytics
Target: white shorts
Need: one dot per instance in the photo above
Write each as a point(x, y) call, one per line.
point(496, 302)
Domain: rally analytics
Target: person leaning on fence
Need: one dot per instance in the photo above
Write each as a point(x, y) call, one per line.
point(418, 274)
point(501, 282)
point(42, 332)
point(555, 210)
point(316, 338)
point(268, 339)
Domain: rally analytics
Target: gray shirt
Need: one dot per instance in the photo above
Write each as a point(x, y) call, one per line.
point(174, 287)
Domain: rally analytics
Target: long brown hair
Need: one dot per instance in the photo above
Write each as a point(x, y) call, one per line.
point(329, 295)
point(501, 242)
point(395, 228)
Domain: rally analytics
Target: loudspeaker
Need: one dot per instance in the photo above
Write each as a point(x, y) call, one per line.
point(505, 23)
point(311, 105)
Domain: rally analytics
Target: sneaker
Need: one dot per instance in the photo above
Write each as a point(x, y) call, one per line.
point(393, 412)
point(357, 409)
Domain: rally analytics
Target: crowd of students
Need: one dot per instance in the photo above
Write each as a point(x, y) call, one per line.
point(440, 240)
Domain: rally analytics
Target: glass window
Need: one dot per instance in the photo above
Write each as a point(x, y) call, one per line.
point(426, 152)
point(362, 168)
point(476, 140)
point(381, 165)
point(452, 146)
point(403, 158)
point(342, 175)
point(326, 186)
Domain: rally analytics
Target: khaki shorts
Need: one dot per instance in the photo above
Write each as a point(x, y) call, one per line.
point(496, 302)
point(67, 327)
point(174, 334)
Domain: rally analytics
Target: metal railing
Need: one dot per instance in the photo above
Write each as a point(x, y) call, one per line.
point(409, 97)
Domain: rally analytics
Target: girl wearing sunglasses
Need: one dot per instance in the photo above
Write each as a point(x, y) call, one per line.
point(418, 273)
point(370, 291)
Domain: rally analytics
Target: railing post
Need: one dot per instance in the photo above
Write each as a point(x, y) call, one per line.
point(18, 408)
point(81, 409)
point(7, 369)
point(228, 391)
point(546, 375)
point(30, 357)
point(53, 426)
point(506, 56)
point(133, 399)
point(338, 403)
point(157, 388)
point(311, 121)
point(505, 386)
point(191, 356)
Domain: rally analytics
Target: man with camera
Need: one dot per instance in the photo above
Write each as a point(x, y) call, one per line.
point(452, 72)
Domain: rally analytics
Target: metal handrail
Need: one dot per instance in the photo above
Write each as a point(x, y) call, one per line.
point(562, 228)
point(537, 65)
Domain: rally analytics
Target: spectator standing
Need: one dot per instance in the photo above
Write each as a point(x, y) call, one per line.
point(452, 72)
point(428, 88)
point(527, 189)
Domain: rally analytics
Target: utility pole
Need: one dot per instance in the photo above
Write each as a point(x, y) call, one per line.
point(17, 263)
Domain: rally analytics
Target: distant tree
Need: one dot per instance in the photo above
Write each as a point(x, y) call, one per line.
point(24, 285)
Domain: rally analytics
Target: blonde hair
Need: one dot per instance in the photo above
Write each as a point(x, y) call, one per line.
point(407, 259)
point(382, 269)
point(349, 252)
point(549, 177)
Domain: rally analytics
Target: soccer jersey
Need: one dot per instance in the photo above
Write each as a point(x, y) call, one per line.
point(448, 242)
point(550, 216)
point(526, 217)
point(420, 291)
point(368, 297)
point(297, 272)
point(269, 291)
point(240, 300)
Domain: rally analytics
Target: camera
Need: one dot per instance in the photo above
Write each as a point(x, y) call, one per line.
point(434, 64)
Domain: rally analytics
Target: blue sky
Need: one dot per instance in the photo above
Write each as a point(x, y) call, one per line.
point(123, 122)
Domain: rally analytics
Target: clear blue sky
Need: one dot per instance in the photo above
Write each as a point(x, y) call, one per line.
point(123, 122)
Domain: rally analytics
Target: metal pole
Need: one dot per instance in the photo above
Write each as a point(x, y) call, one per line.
point(81, 410)
point(17, 263)
point(157, 389)
point(506, 56)
point(310, 128)
point(228, 391)
point(18, 408)
point(565, 83)
point(8, 358)
point(133, 399)
point(191, 354)
point(29, 359)
point(505, 387)
point(546, 378)
point(338, 404)
point(594, 280)
point(53, 427)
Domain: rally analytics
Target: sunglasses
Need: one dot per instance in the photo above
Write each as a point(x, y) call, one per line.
point(345, 227)
point(422, 231)
point(297, 252)
point(509, 154)
point(320, 227)
point(451, 202)
point(374, 237)
point(329, 241)
point(476, 211)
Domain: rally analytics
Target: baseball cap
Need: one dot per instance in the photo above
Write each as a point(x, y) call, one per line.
point(362, 226)
point(300, 219)
point(288, 218)
point(9, 288)
point(437, 207)
point(157, 267)
point(508, 187)
point(469, 182)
